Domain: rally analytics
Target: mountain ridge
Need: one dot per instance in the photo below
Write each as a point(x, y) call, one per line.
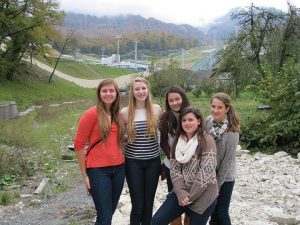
point(106, 26)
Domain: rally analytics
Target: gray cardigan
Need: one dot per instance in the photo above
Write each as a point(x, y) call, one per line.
point(226, 156)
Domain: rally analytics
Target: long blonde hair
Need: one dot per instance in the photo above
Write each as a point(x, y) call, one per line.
point(103, 120)
point(151, 118)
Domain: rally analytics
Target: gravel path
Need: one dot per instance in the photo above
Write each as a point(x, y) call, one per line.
point(267, 192)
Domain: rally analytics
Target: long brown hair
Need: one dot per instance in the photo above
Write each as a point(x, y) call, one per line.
point(151, 118)
point(232, 117)
point(200, 132)
point(103, 120)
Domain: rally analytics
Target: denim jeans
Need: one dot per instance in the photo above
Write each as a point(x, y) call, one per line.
point(220, 215)
point(142, 179)
point(171, 209)
point(106, 187)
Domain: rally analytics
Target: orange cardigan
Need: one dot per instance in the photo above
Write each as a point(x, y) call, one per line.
point(108, 153)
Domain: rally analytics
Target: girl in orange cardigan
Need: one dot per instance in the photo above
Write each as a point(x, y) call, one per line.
point(103, 167)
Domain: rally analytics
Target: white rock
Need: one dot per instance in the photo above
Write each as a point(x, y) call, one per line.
point(282, 218)
point(289, 185)
point(1, 212)
point(281, 154)
point(236, 195)
point(282, 178)
point(275, 182)
point(266, 159)
point(259, 222)
point(126, 209)
point(125, 191)
point(296, 191)
point(36, 202)
point(118, 218)
point(272, 210)
point(124, 199)
point(246, 158)
point(298, 219)
point(26, 196)
point(242, 152)
point(257, 155)
point(297, 212)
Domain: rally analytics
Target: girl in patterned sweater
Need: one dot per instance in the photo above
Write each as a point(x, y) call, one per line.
point(193, 174)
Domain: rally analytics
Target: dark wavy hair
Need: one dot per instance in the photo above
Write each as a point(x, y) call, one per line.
point(200, 132)
point(170, 117)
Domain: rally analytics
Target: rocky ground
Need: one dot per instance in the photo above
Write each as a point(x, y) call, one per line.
point(267, 192)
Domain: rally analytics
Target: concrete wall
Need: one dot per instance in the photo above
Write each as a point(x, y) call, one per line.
point(8, 110)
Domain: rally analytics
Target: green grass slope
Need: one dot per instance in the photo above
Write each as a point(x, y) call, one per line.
point(86, 71)
point(31, 87)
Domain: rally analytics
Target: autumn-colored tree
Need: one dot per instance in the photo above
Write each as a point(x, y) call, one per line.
point(23, 28)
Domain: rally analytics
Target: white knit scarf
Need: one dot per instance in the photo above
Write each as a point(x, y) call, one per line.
point(185, 150)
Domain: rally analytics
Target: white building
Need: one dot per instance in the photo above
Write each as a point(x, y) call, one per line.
point(109, 61)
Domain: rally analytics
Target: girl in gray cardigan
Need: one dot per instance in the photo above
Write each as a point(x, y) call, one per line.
point(193, 172)
point(223, 124)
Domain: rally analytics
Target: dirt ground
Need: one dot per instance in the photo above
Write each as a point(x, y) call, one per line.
point(70, 207)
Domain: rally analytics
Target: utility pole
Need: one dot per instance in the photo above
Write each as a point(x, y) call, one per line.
point(135, 53)
point(182, 58)
point(118, 49)
point(102, 54)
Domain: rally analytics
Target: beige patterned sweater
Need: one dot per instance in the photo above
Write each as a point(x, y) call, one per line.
point(197, 178)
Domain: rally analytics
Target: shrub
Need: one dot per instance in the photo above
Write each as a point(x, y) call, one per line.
point(15, 164)
point(5, 198)
point(280, 126)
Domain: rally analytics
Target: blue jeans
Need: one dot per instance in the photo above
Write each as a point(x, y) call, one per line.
point(142, 179)
point(220, 215)
point(106, 187)
point(171, 209)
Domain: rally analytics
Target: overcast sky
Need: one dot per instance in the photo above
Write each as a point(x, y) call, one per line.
point(193, 12)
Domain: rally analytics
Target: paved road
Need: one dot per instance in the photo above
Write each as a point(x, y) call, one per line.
point(122, 81)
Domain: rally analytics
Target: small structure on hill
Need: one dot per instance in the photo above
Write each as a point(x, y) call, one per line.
point(8, 110)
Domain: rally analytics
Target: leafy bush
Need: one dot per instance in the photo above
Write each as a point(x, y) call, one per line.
point(15, 164)
point(197, 91)
point(8, 179)
point(279, 126)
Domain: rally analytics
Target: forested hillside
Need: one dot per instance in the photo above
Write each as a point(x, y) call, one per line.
point(96, 33)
